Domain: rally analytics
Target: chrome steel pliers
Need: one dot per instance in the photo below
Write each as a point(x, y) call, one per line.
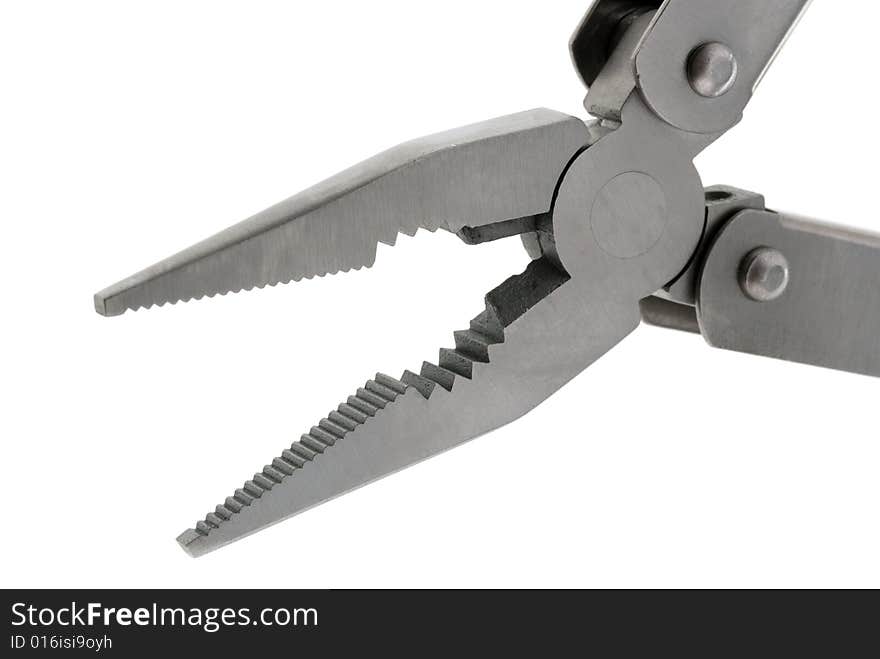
point(615, 218)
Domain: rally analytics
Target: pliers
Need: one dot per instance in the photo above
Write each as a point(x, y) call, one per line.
point(619, 228)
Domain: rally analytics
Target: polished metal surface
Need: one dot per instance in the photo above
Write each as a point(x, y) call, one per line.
point(752, 29)
point(538, 331)
point(722, 203)
point(829, 314)
point(479, 175)
point(669, 315)
point(615, 218)
point(764, 274)
point(629, 215)
point(712, 69)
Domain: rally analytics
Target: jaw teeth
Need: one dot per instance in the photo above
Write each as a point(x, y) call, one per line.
point(369, 401)
point(335, 456)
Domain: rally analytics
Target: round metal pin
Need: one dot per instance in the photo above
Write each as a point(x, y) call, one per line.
point(764, 275)
point(712, 70)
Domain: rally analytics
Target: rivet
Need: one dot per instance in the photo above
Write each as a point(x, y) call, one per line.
point(712, 69)
point(764, 275)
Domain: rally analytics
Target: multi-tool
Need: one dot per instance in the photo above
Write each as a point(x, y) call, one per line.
point(615, 219)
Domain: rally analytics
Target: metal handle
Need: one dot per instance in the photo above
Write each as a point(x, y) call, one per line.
point(790, 288)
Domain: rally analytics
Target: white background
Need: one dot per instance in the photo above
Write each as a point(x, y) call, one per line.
point(131, 130)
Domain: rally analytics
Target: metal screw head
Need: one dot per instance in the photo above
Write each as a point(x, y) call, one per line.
point(712, 69)
point(764, 275)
